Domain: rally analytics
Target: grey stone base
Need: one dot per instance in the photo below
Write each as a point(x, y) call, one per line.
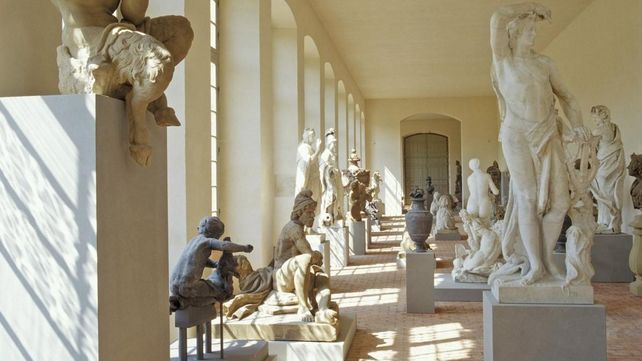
point(609, 256)
point(317, 351)
point(233, 350)
point(420, 272)
point(446, 289)
point(536, 332)
point(447, 236)
point(357, 233)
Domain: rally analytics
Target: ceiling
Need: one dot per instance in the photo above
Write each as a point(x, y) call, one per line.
point(423, 48)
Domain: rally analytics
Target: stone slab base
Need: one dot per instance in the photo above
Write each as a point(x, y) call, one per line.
point(319, 242)
point(420, 271)
point(547, 292)
point(233, 350)
point(317, 351)
point(286, 327)
point(543, 332)
point(357, 237)
point(337, 238)
point(447, 236)
point(609, 256)
point(446, 289)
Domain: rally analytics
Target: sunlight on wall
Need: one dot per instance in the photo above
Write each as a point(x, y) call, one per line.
point(393, 192)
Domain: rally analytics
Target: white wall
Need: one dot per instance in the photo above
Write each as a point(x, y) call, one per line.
point(600, 58)
point(479, 130)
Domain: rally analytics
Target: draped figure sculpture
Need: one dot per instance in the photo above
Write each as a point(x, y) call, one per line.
point(131, 59)
point(331, 185)
point(608, 186)
point(526, 84)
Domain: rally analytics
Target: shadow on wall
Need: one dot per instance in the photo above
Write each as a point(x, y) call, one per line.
point(392, 193)
point(47, 275)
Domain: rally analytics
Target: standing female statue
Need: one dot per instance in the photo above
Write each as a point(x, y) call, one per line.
point(526, 84)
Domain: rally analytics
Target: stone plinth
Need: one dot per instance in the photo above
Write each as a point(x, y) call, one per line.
point(286, 327)
point(83, 232)
point(233, 350)
point(337, 237)
point(635, 257)
point(446, 289)
point(536, 332)
point(609, 256)
point(447, 236)
point(357, 236)
point(546, 292)
point(420, 271)
point(319, 242)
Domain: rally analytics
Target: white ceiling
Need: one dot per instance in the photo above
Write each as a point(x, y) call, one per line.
point(423, 48)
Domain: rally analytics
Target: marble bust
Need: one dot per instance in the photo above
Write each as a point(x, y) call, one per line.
point(479, 184)
point(526, 84)
point(131, 59)
point(608, 186)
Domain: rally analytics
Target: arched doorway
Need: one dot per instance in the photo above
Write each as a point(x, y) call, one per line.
point(425, 154)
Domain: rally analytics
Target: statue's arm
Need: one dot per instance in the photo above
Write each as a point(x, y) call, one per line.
point(499, 41)
point(569, 104)
point(134, 10)
point(224, 246)
point(500, 98)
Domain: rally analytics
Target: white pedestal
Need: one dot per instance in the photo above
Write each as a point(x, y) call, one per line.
point(319, 242)
point(357, 233)
point(446, 289)
point(83, 233)
point(233, 350)
point(337, 238)
point(536, 332)
point(420, 272)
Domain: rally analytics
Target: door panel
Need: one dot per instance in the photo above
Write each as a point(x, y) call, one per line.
point(425, 155)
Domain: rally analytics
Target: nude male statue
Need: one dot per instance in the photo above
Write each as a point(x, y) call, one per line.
point(296, 266)
point(526, 84)
point(479, 182)
point(133, 59)
point(186, 284)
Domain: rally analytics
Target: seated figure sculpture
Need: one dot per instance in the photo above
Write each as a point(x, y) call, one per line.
point(483, 256)
point(445, 221)
point(131, 59)
point(187, 286)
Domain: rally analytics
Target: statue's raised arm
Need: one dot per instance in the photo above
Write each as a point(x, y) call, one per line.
point(134, 10)
point(501, 19)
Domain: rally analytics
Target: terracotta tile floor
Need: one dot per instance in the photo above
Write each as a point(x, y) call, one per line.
point(374, 289)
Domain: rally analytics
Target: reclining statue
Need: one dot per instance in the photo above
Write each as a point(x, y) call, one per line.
point(131, 59)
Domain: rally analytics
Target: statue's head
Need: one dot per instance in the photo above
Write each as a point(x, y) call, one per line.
point(377, 176)
point(473, 164)
point(445, 201)
point(436, 197)
point(600, 114)
point(331, 140)
point(304, 206)
point(211, 227)
point(522, 31)
point(308, 135)
point(243, 267)
point(354, 158)
point(635, 166)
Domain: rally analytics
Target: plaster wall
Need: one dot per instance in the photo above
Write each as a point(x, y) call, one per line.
point(600, 58)
point(479, 131)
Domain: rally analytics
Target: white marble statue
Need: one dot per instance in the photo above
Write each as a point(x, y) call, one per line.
point(526, 84)
point(132, 59)
point(331, 185)
point(479, 182)
point(434, 205)
point(375, 186)
point(445, 220)
point(608, 186)
point(307, 163)
point(483, 256)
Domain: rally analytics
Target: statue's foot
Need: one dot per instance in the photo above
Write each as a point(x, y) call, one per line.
point(326, 316)
point(534, 275)
point(306, 315)
point(166, 117)
point(141, 153)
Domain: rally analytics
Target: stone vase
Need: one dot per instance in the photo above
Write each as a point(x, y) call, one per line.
point(635, 257)
point(418, 224)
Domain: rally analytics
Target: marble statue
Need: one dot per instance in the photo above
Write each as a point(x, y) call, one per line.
point(375, 186)
point(187, 286)
point(445, 220)
point(608, 186)
point(374, 206)
point(479, 200)
point(359, 181)
point(458, 184)
point(307, 163)
point(296, 281)
point(526, 84)
point(496, 175)
point(132, 59)
point(353, 162)
point(635, 170)
point(484, 254)
point(331, 185)
point(434, 205)
point(429, 193)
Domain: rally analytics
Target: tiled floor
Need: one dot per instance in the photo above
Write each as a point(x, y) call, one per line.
point(374, 289)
